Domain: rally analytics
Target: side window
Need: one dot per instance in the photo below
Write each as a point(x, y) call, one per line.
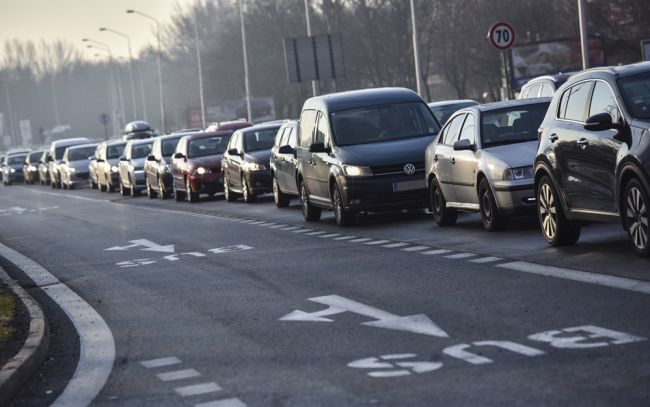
point(524, 93)
point(603, 101)
point(451, 134)
point(279, 137)
point(293, 137)
point(322, 131)
point(307, 124)
point(180, 147)
point(576, 103)
point(547, 91)
point(469, 129)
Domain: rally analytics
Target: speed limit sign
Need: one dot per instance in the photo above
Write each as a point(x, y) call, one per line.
point(502, 35)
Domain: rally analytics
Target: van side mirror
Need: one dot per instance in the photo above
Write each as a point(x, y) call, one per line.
point(234, 151)
point(150, 157)
point(179, 156)
point(318, 147)
point(50, 159)
point(123, 158)
point(599, 122)
point(463, 144)
point(286, 150)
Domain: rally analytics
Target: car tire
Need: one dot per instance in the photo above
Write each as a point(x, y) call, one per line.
point(123, 190)
point(280, 198)
point(134, 190)
point(162, 194)
point(310, 212)
point(556, 228)
point(70, 186)
point(491, 215)
point(343, 217)
point(227, 193)
point(178, 195)
point(192, 197)
point(635, 216)
point(151, 194)
point(442, 215)
point(246, 191)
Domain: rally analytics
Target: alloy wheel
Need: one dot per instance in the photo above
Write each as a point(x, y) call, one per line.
point(547, 211)
point(637, 217)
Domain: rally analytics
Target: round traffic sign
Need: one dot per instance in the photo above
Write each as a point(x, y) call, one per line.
point(502, 35)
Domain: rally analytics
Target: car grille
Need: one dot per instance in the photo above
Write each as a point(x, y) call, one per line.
point(396, 168)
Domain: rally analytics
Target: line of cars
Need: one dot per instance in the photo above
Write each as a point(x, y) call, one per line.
point(579, 156)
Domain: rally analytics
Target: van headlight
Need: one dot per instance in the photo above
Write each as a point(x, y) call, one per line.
point(200, 170)
point(357, 171)
point(512, 174)
point(73, 170)
point(255, 167)
point(12, 170)
point(114, 169)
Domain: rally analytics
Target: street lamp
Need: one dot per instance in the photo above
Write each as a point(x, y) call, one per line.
point(111, 95)
point(128, 40)
point(106, 48)
point(198, 62)
point(160, 80)
point(243, 41)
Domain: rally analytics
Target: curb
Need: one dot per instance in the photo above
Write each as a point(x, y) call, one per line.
point(30, 357)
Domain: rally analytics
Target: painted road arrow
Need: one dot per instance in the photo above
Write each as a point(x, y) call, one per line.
point(419, 324)
point(145, 245)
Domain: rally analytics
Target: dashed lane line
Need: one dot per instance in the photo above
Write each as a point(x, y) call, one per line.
point(375, 242)
point(161, 362)
point(198, 389)
point(415, 248)
point(436, 252)
point(178, 375)
point(489, 259)
point(459, 256)
point(395, 245)
point(232, 402)
point(360, 240)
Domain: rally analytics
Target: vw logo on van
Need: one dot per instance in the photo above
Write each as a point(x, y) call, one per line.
point(409, 169)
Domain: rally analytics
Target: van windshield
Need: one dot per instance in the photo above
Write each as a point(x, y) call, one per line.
point(375, 124)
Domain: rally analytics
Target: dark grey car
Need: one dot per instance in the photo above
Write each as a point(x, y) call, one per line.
point(131, 166)
point(74, 166)
point(106, 168)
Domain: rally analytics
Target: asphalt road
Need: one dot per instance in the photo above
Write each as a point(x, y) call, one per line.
point(253, 306)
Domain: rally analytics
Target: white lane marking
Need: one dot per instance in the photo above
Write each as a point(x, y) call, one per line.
point(302, 230)
point(81, 198)
point(345, 238)
point(259, 222)
point(316, 233)
point(145, 245)
point(374, 242)
point(489, 259)
point(458, 256)
point(196, 389)
point(160, 362)
point(581, 276)
point(247, 221)
point(178, 375)
point(415, 248)
point(360, 240)
point(434, 252)
point(266, 224)
point(97, 347)
point(290, 228)
point(277, 226)
point(232, 402)
point(331, 235)
point(394, 245)
point(419, 324)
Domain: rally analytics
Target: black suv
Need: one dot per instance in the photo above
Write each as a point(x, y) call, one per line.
point(363, 151)
point(593, 161)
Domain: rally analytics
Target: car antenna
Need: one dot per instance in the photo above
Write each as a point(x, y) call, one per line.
point(494, 99)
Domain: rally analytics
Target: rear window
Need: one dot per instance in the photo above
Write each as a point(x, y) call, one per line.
point(34, 157)
point(257, 140)
point(517, 124)
point(206, 146)
point(16, 159)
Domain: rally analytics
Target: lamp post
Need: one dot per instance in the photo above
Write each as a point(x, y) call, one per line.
point(106, 48)
point(416, 50)
point(128, 40)
point(198, 62)
point(584, 38)
point(243, 41)
point(160, 80)
point(314, 83)
point(111, 94)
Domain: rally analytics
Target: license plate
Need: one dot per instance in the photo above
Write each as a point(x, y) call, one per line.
point(408, 185)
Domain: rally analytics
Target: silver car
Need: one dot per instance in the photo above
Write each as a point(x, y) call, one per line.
point(74, 166)
point(131, 166)
point(482, 162)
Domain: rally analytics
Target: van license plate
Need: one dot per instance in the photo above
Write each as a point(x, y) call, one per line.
point(408, 185)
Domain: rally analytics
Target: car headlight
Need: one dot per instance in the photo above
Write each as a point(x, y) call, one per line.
point(73, 170)
point(512, 174)
point(32, 168)
point(255, 167)
point(12, 170)
point(114, 169)
point(357, 171)
point(200, 170)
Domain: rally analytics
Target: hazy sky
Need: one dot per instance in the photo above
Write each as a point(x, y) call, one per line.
point(75, 19)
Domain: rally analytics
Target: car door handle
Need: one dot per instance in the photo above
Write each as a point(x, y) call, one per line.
point(583, 143)
point(453, 160)
point(435, 157)
point(554, 138)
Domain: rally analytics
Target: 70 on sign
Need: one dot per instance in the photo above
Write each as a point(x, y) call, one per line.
point(501, 35)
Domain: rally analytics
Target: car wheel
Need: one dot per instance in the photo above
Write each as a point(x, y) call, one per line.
point(227, 193)
point(491, 216)
point(636, 216)
point(123, 190)
point(342, 216)
point(280, 198)
point(246, 191)
point(556, 228)
point(442, 215)
point(192, 197)
point(162, 194)
point(134, 191)
point(70, 186)
point(309, 211)
point(151, 194)
point(178, 195)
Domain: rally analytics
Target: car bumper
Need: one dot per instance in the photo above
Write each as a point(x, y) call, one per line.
point(15, 177)
point(379, 193)
point(79, 178)
point(259, 181)
point(139, 179)
point(207, 183)
point(515, 197)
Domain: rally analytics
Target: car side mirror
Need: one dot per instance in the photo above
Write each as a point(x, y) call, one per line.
point(463, 144)
point(234, 151)
point(286, 150)
point(123, 158)
point(318, 147)
point(50, 159)
point(100, 160)
point(179, 156)
point(151, 157)
point(599, 122)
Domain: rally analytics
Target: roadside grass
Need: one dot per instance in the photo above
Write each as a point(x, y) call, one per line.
point(7, 313)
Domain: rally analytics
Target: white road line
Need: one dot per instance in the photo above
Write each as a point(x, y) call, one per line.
point(81, 198)
point(345, 238)
point(434, 252)
point(247, 221)
point(178, 375)
point(331, 235)
point(360, 240)
point(415, 248)
point(290, 228)
point(277, 226)
point(319, 232)
point(161, 362)
point(489, 259)
point(259, 222)
point(582, 276)
point(302, 230)
point(394, 245)
point(374, 242)
point(97, 347)
point(458, 256)
point(196, 389)
point(266, 224)
point(233, 402)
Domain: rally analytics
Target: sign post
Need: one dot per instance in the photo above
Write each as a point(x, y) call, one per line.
point(645, 50)
point(502, 37)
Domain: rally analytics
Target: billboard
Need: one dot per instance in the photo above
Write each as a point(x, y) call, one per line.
point(550, 57)
point(313, 58)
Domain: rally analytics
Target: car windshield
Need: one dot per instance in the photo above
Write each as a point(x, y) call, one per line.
point(206, 146)
point(516, 124)
point(444, 112)
point(256, 140)
point(115, 151)
point(636, 92)
point(140, 150)
point(58, 152)
point(79, 154)
point(34, 157)
point(169, 145)
point(16, 159)
point(374, 124)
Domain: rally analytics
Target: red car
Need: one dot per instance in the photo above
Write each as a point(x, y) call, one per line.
point(196, 165)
